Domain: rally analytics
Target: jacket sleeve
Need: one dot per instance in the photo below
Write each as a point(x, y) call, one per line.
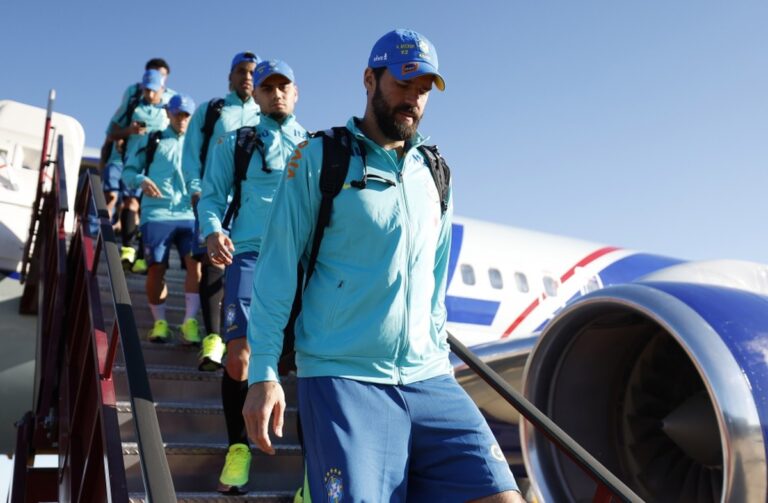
point(288, 229)
point(135, 163)
point(193, 142)
point(217, 184)
point(442, 257)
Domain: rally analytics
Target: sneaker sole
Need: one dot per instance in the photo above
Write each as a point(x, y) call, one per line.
point(208, 365)
point(233, 490)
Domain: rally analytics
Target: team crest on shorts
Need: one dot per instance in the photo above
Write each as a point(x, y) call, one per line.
point(229, 315)
point(334, 486)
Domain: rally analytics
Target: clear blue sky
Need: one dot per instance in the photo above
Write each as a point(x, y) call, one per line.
point(641, 124)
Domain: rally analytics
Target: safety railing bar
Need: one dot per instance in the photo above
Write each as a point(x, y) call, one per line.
point(155, 471)
point(561, 439)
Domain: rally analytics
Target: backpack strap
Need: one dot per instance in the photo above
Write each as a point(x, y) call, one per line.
point(152, 142)
point(440, 171)
point(337, 151)
point(247, 140)
point(133, 102)
point(212, 114)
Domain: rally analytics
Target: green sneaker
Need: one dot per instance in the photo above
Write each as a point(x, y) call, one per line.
point(160, 332)
point(212, 353)
point(127, 257)
point(140, 266)
point(189, 332)
point(234, 476)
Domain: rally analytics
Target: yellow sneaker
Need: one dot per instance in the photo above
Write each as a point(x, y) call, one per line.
point(302, 493)
point(212, 353)
point(160, 332)
point(127, 257)
point(140, 266)
point(190, 332)
point(234, 476)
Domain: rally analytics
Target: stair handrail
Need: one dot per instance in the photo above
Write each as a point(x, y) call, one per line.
point(91, 210)
point(608, 485)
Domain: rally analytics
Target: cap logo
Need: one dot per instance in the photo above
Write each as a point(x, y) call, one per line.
point(424, 46)
point(409, 68)
point(380, 57)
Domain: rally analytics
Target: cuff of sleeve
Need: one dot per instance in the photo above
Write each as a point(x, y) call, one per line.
point(210, 225)
point(194, 186)
point(138, 180)
point(262, 368)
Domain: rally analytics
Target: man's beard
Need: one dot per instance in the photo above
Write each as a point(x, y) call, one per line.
point(278, 116)
point(385, 119)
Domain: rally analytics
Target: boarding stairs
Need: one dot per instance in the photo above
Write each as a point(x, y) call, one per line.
point(135, 421)
point(189, 411)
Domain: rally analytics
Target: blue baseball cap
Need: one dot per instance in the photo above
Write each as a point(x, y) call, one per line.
point(181, 103)
point(153, 79)
point(406, 54)
point(271, 67)
point(250, 57)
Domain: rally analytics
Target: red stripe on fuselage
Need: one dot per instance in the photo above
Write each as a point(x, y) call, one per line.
point(565, 277)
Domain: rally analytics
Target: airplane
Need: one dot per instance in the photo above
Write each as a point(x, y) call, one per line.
point(656, 365)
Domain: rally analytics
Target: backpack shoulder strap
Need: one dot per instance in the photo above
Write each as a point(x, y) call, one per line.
point(130, 107)
point(440, 171)
point(247, 140)
point(337, 151)
point(152, 142)
point(212, 114)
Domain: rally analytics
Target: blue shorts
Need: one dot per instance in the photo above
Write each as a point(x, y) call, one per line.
point(158, 237)
point(113, 181)
point(238, 288)
point(425, 441)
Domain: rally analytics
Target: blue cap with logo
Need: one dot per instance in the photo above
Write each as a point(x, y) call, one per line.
point(407, 54)
point(153, 80)
point(247, 56)
point(271, 67)
point(181, 103)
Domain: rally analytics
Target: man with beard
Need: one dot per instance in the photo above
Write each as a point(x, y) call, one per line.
point(271, 144)
point(383, 418)
point(236, 110)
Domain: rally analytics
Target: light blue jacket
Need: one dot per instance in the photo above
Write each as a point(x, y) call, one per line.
point(374, 309)
point(235, 114)
point(153, 115)
point(257, 190)
point(165, 171)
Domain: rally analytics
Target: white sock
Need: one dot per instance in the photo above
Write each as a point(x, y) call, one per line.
point(192, 303)
point(158, 311)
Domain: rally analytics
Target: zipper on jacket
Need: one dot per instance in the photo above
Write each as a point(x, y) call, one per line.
point(406, 279)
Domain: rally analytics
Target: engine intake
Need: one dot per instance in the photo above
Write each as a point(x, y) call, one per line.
point(666, 384)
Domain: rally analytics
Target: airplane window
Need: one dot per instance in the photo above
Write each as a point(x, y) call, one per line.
point(467, 274)
point(496, 280)
point(550, 286)
point(521, 282)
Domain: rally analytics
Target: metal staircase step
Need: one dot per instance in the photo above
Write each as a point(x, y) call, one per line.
point(173, 353)
point(181, 384)
point(195, 423)
point(196, 467)
point(213, 497)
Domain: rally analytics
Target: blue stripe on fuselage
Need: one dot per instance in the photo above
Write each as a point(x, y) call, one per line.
point(465, 309)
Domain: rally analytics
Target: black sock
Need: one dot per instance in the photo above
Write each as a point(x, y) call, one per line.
point(233, 395)
point(211, 295)
point(140, 252)
point(128, 224)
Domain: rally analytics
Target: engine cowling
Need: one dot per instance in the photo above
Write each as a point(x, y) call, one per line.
point(665, 383)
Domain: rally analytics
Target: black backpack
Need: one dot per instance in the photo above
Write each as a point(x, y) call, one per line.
point(152, 142)
point(247, 141)
point(212, 114)
point(337, 151)
point(133, 102)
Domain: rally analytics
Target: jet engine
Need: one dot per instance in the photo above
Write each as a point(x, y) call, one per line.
point(665, 383)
